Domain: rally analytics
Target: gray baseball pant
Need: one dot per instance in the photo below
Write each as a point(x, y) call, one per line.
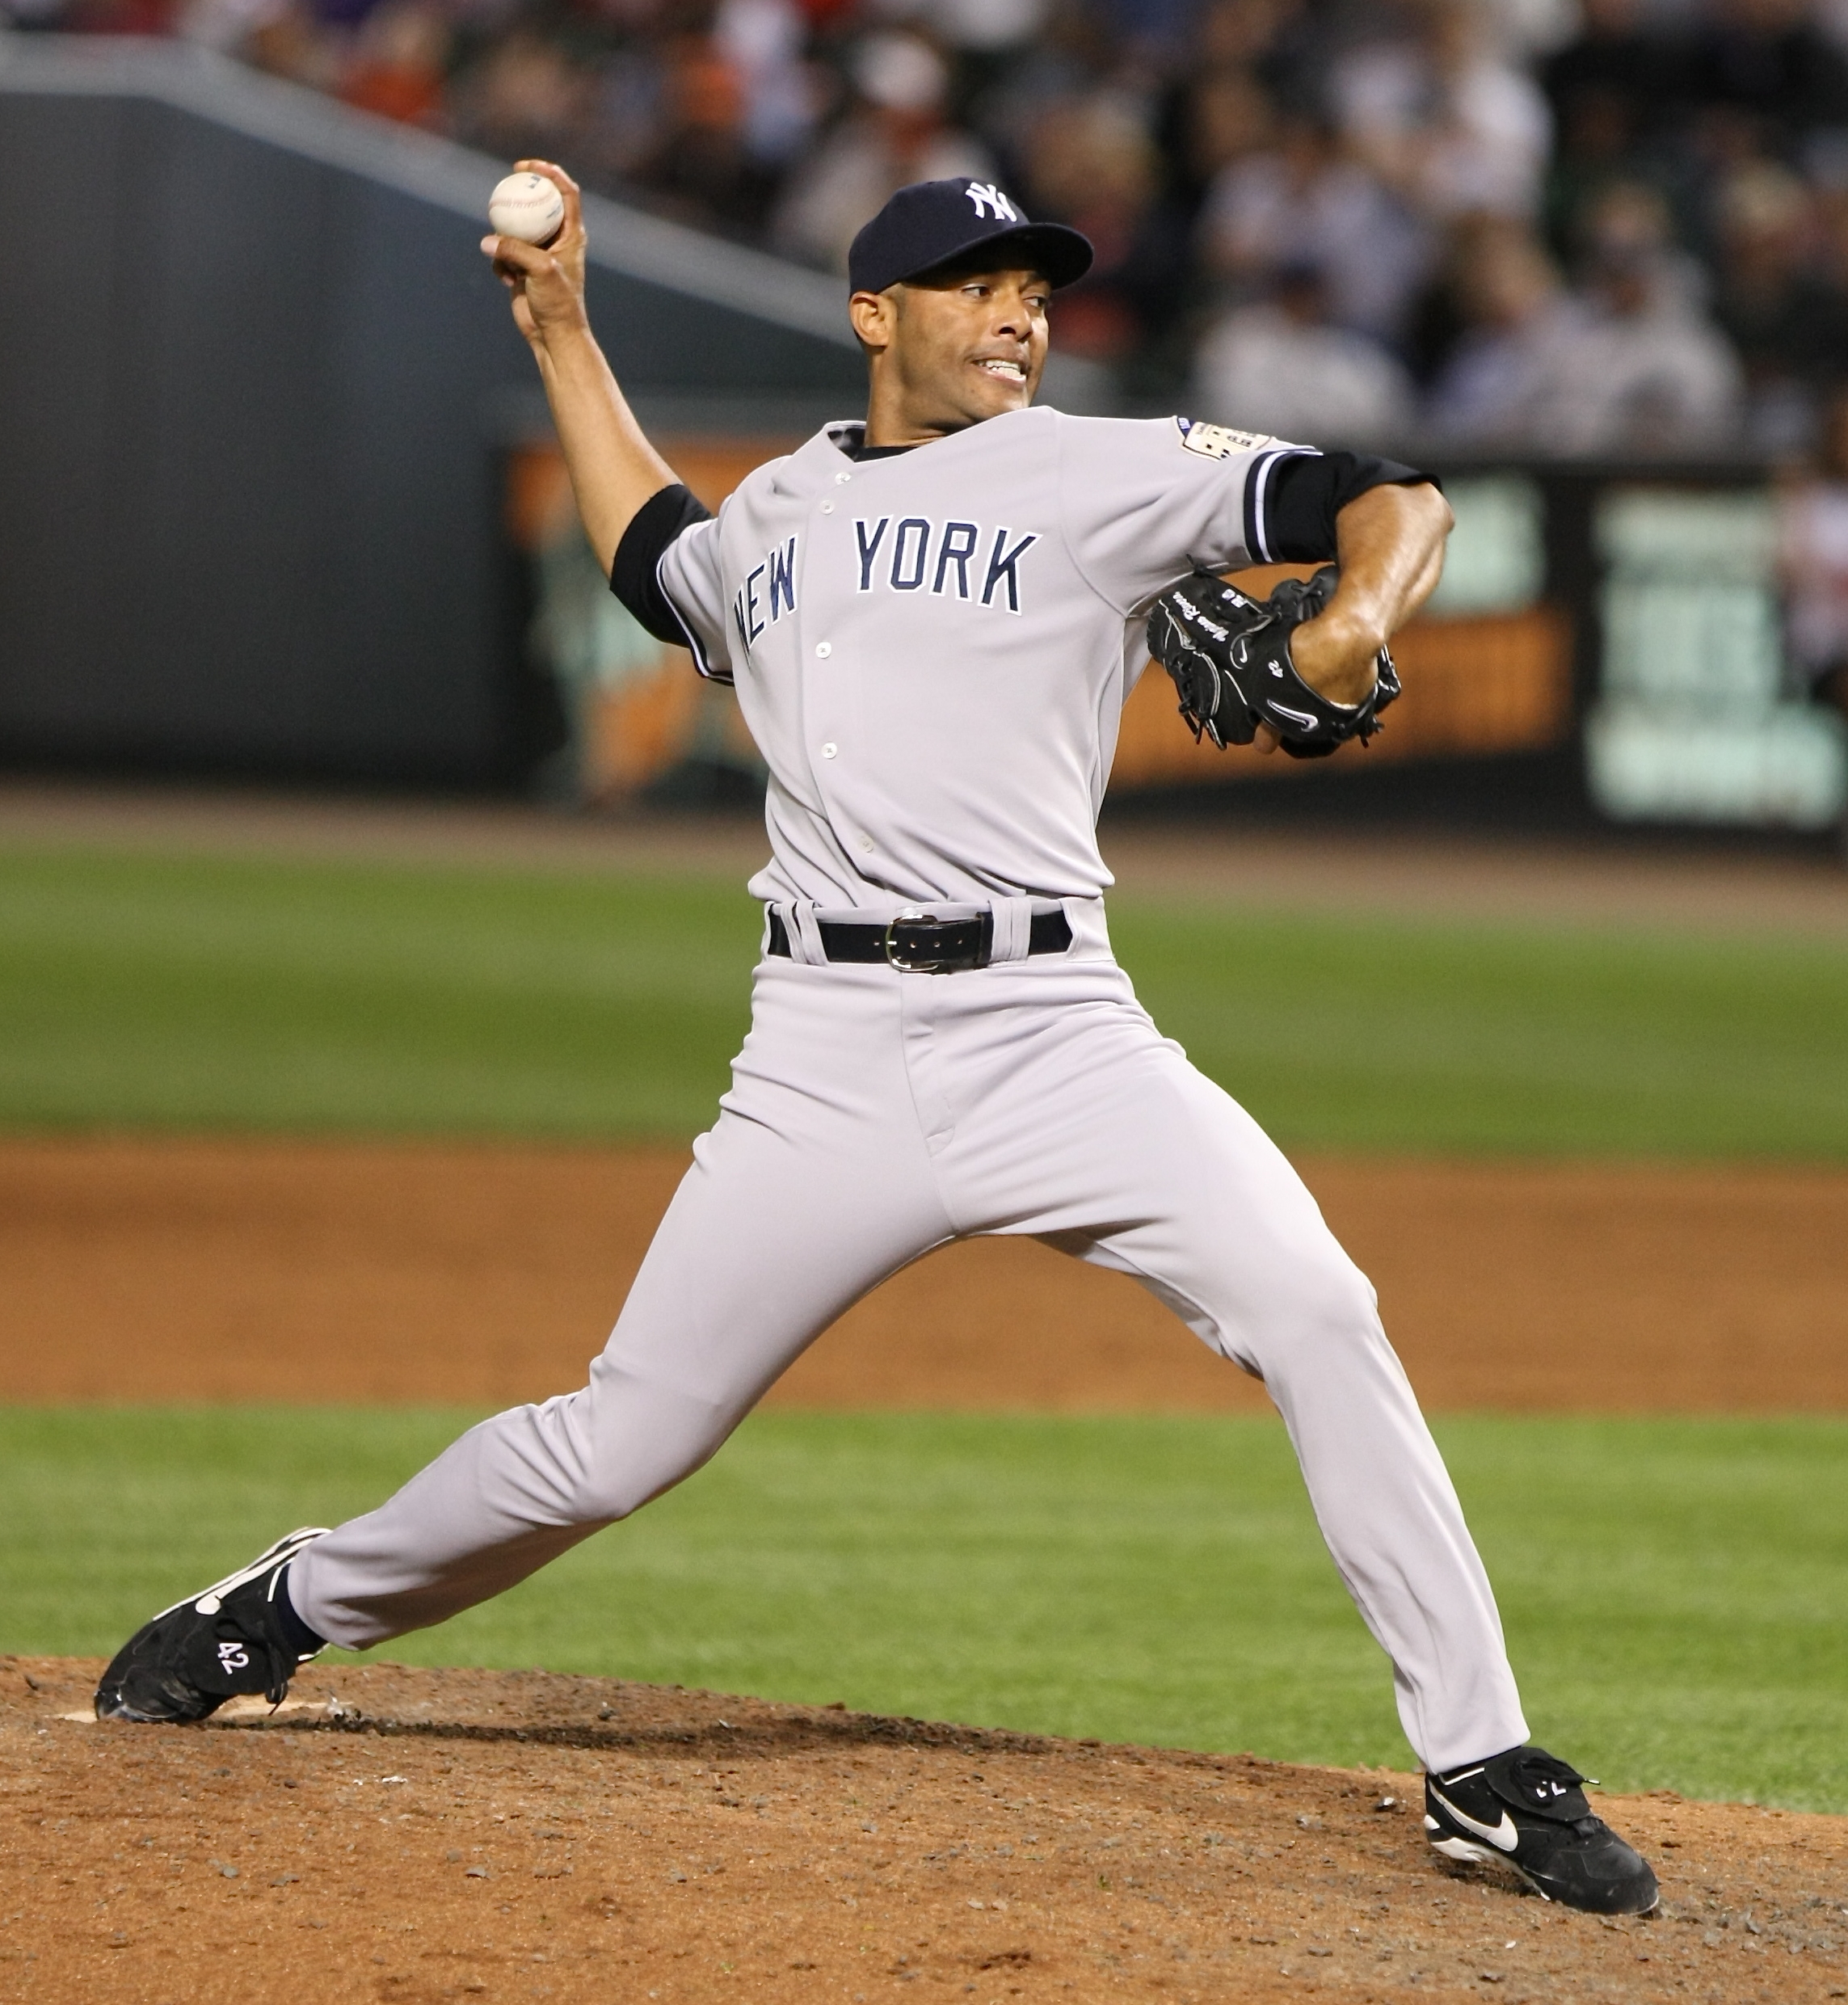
point(871, 1116)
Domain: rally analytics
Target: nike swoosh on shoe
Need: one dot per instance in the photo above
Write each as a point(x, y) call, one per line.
point(1503, 1835)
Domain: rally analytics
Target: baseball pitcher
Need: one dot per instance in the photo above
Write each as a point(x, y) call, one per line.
point(932, 619)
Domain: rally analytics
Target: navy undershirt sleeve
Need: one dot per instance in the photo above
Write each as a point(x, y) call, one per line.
point(1309, 489)
point(635, 575)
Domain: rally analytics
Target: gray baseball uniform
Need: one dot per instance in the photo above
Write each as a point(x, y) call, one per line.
point(933, 650)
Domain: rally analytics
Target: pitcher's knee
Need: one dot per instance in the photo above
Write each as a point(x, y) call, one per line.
point(639, 1439)
point(1316, 1310)
point(1333, 1306)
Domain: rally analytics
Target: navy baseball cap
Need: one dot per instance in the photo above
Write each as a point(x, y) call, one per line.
point(934, 223)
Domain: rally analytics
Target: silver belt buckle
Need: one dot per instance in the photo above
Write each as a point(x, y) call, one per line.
point(912, 914)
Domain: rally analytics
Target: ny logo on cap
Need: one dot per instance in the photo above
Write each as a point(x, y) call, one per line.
point(989, 200)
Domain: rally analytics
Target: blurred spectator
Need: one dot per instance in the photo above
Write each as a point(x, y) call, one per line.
point(1618, 70)
point(985, 41)
point(704, 167)
point(1649, 374)
point(1091, 163)
point(1250, 60)
point(1629, 228)
point(398, 62)
point(1830, 205)
point(1787, 321)
point(1149, 34)
point(523, 99)
point(763, 42)
point(1515, 366)
point(289, 39)
point(894, 132)
point(1692, 156)
point(985, 29)
point(1532, 29)
point(1611, 90)
point(1282, 45)
point(1769, 63)
point(1285, 368)
point(118, 17)
point(998, 95)
point(1303, 202)
point(1812, 561)
point(1216, 120)
point(1445, 119)
point(625, 110)
point(225, 25)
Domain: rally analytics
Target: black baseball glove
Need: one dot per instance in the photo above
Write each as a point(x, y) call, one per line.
point(1229, 656)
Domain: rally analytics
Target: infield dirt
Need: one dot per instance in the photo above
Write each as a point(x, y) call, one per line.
point(420, 1835)
point(152, 1269)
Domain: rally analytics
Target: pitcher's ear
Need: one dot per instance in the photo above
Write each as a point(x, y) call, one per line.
point(874, 316)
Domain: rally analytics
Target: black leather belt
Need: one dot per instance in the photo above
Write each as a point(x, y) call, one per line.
point(918, 942)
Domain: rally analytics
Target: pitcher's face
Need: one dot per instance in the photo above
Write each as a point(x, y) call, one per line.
point(949, 351)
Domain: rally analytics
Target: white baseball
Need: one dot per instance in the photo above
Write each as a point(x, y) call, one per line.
point(527, 206)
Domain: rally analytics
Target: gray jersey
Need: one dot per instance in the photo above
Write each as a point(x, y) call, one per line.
point(933, 650)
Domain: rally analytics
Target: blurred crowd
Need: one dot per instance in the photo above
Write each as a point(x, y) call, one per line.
point(1601, 227)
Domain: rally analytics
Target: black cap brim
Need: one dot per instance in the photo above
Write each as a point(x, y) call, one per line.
point(1064, 255)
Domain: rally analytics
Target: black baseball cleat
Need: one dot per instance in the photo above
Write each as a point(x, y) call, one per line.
point(1526, 1809)
point(233, 1638)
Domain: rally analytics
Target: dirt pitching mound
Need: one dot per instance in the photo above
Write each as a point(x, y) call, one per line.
point(401, 1834)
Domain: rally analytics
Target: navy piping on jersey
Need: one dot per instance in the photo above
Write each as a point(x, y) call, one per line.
point(685, 636)
point(1257, 541)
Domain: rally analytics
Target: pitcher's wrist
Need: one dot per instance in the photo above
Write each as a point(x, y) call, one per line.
point(1335, 654)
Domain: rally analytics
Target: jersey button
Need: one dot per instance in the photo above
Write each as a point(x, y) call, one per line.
point(842, 479)
point(828, 507)
point(829, 749)
point(823, 649)
point(866, 844)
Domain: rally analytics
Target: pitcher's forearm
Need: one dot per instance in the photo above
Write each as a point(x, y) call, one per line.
point(613, 467)
point(1390, 545)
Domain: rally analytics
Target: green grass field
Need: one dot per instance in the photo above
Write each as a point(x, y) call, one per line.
point(1671, 1590)
point(143, 990)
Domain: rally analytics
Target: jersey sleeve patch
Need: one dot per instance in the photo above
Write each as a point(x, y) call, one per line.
point(1218, 441)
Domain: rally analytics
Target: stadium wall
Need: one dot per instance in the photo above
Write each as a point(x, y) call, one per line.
point(255, 379)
